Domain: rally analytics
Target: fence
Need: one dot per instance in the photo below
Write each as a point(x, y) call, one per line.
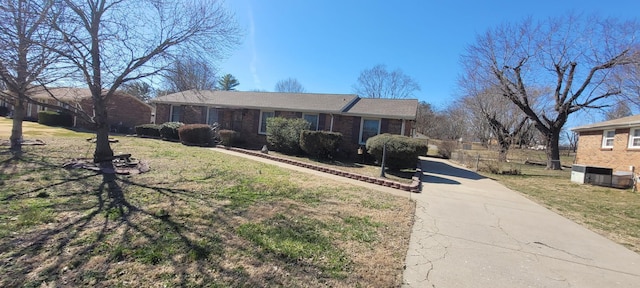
point(487, 160)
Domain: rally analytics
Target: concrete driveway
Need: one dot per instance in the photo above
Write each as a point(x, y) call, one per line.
point(471, 231)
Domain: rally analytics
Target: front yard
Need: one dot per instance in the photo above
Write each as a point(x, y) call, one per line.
point(198, 218)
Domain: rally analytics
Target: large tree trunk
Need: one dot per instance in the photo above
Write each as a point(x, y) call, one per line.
point(16, 129)
point(103, 154)
point(504, 149)
point(553, 150)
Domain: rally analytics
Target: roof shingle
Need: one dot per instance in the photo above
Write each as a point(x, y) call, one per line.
point(623, 122)
point(348, 104)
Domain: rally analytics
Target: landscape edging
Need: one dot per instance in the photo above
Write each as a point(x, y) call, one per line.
point(414, 187)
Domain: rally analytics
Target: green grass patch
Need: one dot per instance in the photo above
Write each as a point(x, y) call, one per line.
point(297, 241)
point(198, 218)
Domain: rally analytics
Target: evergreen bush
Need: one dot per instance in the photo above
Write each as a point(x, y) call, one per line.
point(54, 118)
point(283, 135)
point(228, 137)
point(320, 144)
point(401, 151)
point(169, 130)
point(152, 130)
point(196, 134)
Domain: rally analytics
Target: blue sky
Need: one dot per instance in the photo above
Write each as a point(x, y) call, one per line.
point(326, 44)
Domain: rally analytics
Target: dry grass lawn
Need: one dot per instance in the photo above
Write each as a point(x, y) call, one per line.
point(198, 218)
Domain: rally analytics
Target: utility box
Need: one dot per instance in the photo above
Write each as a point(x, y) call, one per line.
point(622, 179)
point(591, 175)
point(577, 173)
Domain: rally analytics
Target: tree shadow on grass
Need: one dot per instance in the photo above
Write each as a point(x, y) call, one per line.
point(92, 239)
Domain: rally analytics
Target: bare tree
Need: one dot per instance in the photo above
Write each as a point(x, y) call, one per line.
point(228, 83)
point(24, 31)
point(572, 138)
point(289, 85)
point(618, 110)
point(114, 42)
point(503, 118)
point(572, 56)
point(425, 119)
point(451, 123)
point(377, 82)
point(140, 89)
point(188, 73)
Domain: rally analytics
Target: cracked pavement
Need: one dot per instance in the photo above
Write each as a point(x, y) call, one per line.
point(471, 231)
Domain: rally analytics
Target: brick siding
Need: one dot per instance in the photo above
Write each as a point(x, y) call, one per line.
point(122, 111)
point(619, 158)
point(246, 121)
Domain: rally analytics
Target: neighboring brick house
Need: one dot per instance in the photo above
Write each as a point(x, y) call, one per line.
point(124, 111)
point(611, 144)
point(246, 113)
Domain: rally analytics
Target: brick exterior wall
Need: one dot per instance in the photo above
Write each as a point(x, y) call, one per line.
point(124, 112)
point(246, 121)
point(619, 158)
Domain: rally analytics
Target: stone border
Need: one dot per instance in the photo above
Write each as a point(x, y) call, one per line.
point(413, 187)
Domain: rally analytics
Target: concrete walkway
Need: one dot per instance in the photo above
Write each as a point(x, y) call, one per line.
point(471, 231)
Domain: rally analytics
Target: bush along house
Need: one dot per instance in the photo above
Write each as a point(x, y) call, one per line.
point(246, 113)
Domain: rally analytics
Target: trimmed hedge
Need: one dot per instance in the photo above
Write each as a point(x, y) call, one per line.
point(196, 134)
point(283, 135)
point(228, 137)
point(320, 144)
point(54, 118)
point(402, 151)
point(152, 130)
point(169, 130)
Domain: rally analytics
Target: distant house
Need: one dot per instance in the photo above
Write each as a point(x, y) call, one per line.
point(611, 144)
point(124, 111)
point(246, 113)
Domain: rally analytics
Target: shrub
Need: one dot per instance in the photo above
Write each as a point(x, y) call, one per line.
point(402, 151)
point(4, 111)
point(283, 135)
point(227, 137)
point(320, 144)
point(196, 134)
point(54, 118)
point(152, 130)
point(446, 148)
point(169, 130)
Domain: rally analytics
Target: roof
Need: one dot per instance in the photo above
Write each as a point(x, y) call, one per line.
point(624, 122)
point(347, 104)
point(303, 102)
point(69, 94)
point(375, 107)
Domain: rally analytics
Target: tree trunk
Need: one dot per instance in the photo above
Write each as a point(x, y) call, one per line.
point(504, 149)
point(553, 150)
point(103, 154)
point(16, 129)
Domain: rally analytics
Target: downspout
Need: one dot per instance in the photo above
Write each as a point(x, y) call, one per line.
point(331, 126)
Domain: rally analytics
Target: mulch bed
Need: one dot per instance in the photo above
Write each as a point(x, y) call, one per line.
point(123, 164)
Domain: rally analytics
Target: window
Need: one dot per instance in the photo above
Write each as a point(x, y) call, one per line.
point(369, 128)
point(29, 108)
point(212, 116)
point(607, 138)
point(264, 115)
point(634, 138)
point(176, 113)
point(313, 119)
